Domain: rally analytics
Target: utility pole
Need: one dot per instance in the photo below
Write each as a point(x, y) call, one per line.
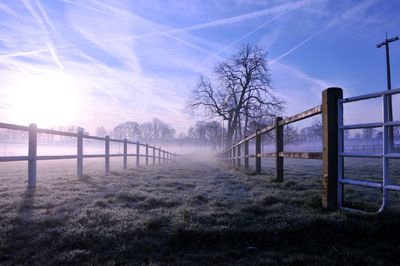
point(389, 84)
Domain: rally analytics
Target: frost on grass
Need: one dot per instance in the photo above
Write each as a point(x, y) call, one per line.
point(194, 212)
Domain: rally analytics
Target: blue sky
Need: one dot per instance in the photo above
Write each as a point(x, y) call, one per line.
point(93, 63)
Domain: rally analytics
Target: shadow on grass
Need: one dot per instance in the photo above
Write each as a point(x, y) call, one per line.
point(17, 236)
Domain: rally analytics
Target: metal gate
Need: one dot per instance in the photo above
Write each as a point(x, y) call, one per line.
point(388, 150)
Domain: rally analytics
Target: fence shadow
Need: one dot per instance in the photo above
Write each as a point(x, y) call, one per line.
point(18, 234)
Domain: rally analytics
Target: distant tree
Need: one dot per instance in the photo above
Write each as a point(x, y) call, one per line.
point(396, 131)
point(313, 132)
point(164, 131)
point(290, 134)
point(242, 90)
point(379, 135)
point(368, 133)
point(101, 132)
point(214, 134)
point(146, 131)
point(156, 130)
point(198, 132)
point(128, 130)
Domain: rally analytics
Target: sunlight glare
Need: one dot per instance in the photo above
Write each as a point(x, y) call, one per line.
point(48, 100)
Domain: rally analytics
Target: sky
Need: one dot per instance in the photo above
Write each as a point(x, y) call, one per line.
point(100, 63)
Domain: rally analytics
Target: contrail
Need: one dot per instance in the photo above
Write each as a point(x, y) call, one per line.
point(45, 17)
point(235, 19)
point(246, 35)
point(248, 16)
point(42, 20)
point(294, 48)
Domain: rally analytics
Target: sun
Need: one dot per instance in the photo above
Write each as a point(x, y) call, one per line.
point(48, 100)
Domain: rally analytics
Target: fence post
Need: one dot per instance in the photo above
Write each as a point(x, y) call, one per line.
point(163, 156)
point(107, 154)
point(234, 155)
point(246, 154)
point(258, 151)
point(238, 152)
point(330, 133)
point(79, 160)
point(154, 155)
point(147, 154)
point(159, 155)
point(125, 154)
point(137, 154)
point(32, 152)
point(278, 149)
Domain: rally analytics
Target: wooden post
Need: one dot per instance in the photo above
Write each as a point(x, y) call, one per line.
point(238, 155)
point(154, 155)
point(159, 155)
point(79, 152)
point(125, 154)
point(163, 156)
point(233, 156)
point(330, 158)
point(107, 154)
point(32, 152)
point(246, 154)
point(258, 151)
point(147, 154)
point(278, 149)
point(137, 154)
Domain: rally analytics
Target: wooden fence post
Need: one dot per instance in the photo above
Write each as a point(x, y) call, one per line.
point(125, 154)
point(154, 155)
point(137, 154)
point(258, 151)
point(163, 156)
point(330, 158)
point(278, 149)
point(234, 156)
point(32, 152)
point(246, 154)
point(159, 155)
point(107, 154)
point(238, 155)
point(79, 159)
point(147, 154)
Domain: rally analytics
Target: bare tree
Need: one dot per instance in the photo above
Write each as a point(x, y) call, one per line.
point(241, 90)
point(101, 132)
point(128, 130)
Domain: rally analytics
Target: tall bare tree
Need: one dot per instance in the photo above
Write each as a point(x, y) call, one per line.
point(241, 90)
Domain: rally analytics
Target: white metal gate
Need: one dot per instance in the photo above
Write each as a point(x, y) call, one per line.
point(388, 151)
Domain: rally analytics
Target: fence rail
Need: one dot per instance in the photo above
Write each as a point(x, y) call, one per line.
point(233, 154)
point(163, 156)
point(333, 148)
point(329, 155)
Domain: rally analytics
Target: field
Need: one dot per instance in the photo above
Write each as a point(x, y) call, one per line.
point(194, 212)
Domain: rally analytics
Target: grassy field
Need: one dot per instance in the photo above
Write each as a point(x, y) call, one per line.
point(189, 213)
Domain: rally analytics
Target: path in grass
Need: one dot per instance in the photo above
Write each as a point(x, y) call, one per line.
point(194, 212)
